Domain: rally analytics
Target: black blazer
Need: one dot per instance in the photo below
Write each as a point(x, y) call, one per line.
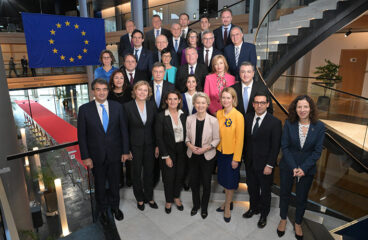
point(145, 61)
point(263, 147)
point(201, 55)
point(174, 58)
point(247, 53)
point(257, 86)
point(201, 72)
point(185, 106)
point(150, 40)
point(139, 75)
point(140, 134)
point(94, 143)
point(165, 137)
point(182, 45)
point(166, 87)
point(124, 44)
point(219, 39)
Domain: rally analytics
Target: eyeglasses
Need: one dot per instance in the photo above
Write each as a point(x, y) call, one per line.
point(260, 103)
point(106, 57)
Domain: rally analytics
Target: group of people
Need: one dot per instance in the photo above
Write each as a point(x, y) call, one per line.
point(192, 106)
point(24, 63)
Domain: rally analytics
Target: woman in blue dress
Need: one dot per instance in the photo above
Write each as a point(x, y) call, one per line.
point(107, 60)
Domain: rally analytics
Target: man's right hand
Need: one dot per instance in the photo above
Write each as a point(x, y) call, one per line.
point(88, 162)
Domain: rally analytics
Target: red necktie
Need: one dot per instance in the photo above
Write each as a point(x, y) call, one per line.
point(131, 78)
point(225, 36)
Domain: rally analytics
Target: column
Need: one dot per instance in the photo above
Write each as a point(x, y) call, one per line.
point(137, 12)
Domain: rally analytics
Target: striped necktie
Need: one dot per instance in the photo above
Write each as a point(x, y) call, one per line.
point(237, 55)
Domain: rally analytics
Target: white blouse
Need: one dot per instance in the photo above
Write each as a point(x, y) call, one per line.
point(178, 129)
point(302, 137)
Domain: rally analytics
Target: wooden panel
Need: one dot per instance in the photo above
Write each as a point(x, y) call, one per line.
point(46, 81)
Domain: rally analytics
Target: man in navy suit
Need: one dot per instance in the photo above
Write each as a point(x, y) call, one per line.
point(239, 51)
point(152, 34)
point(184, 22)
point(161, 44)
point(143, 55)
point(126, 40)
point(207, 52)
point(222, 34)
point(261, 148)
point(103, 143)
point(205, 26)
point(177, 43)
point(129, 69)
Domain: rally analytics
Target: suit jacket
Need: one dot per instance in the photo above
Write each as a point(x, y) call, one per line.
point(124, 44)
point(210, 135)
point(145, 61)
point(174, 58)
point(219, 38)
point(185, 106)
point(166, 87)
point(164, 130)
point(247, 53)
point(201, 72)
point(263, 147)
point(201, 56)
point(140, 134)
point(294, 156)
point(139, 75)
point(258, 86)
point(182, 45)
point(150, 40)
point(94, 143)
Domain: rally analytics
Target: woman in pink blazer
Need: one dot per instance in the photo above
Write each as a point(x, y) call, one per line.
point(202, 138)
point(217, 81)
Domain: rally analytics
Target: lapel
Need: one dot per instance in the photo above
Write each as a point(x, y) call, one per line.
point(136, 111)
point(309, 137)
point(169, 125)
point(97, 117)
point(142, 56)
point(250, 123)
point(206, 125)
point(232, 54)
point(112, 113)
point(295, 132)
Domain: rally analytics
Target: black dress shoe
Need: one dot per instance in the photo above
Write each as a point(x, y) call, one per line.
point(250, 213)
point(262, 222)
point(219, 209)
point(104, 218)
point(168, 210)
point(298, 237)
point(118, 214)
point(153, 205)
point(280, 233)
point(227, 219)
point(180, 208)
point(140, 207)
point(129, 184)
point(194, 211)
point(186, 187)
point(204, 214)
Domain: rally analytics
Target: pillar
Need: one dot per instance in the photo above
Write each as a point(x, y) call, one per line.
point(137, 12)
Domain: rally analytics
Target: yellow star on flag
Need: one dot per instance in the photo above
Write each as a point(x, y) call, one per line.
point(76, 26)
point(62, 57)
point(58, 25)
point(71, 59)
point(86, 42)
point(83, 33)
point(85, 50)
point(51, 41)
point(67, 23)
point(55, 50)
point(52, 32)
point(79, 57)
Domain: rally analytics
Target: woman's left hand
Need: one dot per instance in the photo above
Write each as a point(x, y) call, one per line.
point(234, 164)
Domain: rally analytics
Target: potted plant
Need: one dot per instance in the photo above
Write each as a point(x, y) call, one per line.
point(328, 74)
point(50, 193)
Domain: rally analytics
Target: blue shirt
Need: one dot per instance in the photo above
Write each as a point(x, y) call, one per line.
point(101, 73)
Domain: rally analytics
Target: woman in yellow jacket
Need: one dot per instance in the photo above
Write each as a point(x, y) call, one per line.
point(229, 151)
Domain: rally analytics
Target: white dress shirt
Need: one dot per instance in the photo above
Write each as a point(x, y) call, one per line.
point(128, 74)
point(185, 30)
point(138, 53)
point(155, 31)
point(209, 55)
point(99, 109)
point(194, 68)
point(189, 99)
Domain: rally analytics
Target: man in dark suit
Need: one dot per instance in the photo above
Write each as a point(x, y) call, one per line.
point(177, 43)
point(161, 44)
point(207, 52)
point(261, 148)
point(158, 85)
point(192, 67)
point(126, 40)
point(130, 72)
point(103, 143)
point(239, 51)
point(143, 55)
point(152, 34)
point(184, 22)
point(247, 88)
point(205, 26)
point(222, 34)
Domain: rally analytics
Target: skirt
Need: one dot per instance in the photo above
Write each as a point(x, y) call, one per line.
point(226, 175)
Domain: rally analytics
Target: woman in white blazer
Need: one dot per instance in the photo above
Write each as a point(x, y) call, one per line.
point(202, 138)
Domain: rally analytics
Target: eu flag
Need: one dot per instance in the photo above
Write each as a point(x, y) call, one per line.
point(62, 41)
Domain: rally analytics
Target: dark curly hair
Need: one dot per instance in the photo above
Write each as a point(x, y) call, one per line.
point(177, 93)
point(293, 116)
point(111, 82)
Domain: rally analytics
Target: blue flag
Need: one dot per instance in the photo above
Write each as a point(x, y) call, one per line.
point(62, 41)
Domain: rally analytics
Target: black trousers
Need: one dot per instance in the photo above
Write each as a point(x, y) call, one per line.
point(143, 161)
point(200, 172)
point(302, 189)
point(126, 177)
point(259, 189)
point(109, 172)
point(173, 177)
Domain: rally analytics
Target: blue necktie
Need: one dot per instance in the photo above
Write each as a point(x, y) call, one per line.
point(136, 54)
point(245, 99)
point(158, 96)
point(157, 32)
point(176, 45)
point(105, 118)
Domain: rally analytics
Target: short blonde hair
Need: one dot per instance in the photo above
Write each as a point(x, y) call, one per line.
point(202, 95)
point(232, 93)
point(215, 60)
point(142, 83)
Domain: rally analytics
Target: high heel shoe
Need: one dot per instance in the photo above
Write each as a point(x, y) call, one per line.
point(280, 233)
point(219, 209)
point(298, 237)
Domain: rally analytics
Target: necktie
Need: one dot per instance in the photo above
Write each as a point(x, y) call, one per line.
point(176, 45)
point(183, 34)
point(245, 99)
point(159, 56)
point(225, 36)
point(191, 70)
point(256, 126)
point(105, 118)
point(206, 57)
point(236, 55)
point(158, 96)
point(157, 32)
point(131, 78)
point(131, 41)
point(136, 54)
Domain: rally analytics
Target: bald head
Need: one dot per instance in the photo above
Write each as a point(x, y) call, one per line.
point(161, 42)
